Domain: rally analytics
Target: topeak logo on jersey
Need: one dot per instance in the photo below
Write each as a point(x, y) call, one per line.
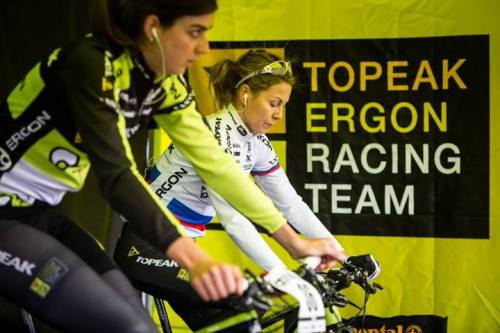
point(132, 252)
point(171, 148)
point(5, 160)
point(170, 182)
point(63, 158)
point(106, 84)
point(20, 265)
point(156, 262)
point(173, 91)
point(24, 133)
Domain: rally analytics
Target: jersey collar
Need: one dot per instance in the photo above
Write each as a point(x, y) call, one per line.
point(241, 130)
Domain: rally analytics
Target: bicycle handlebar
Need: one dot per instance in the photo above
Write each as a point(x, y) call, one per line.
point(329, 284)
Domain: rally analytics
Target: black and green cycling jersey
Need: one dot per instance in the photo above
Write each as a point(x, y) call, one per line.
point(79, 107)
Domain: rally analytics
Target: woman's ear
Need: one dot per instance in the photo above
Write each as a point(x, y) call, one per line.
point(245, 100)
point(151, 26)
point(243, 92)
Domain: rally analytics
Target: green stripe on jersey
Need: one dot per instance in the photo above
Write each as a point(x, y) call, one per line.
point(121, 67)
point(25, 92)
point(54, 156)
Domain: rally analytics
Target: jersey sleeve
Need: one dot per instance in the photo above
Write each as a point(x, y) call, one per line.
point(184, 124)
point(267, 161)
point(89, 94)
point(275, 183)
point(244, 233)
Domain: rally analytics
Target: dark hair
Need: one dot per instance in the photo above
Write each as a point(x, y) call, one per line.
point(121, 20)
point(225, 74)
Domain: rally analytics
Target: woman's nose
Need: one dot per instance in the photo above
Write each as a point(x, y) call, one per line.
point(203, 46)
point(279, 114)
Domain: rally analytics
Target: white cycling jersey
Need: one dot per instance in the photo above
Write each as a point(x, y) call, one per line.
point(178, 186)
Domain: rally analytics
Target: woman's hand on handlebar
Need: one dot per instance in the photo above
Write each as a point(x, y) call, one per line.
point(325, 249)
point(212, 280)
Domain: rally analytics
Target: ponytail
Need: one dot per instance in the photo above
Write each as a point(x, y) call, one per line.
point(223, 77)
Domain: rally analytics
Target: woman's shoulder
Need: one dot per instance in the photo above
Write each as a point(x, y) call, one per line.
point(218, 116)
point(90, 47)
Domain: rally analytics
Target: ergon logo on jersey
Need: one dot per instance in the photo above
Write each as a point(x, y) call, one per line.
point(5, 160)
point(20, 265)
point(171, 181)
point(63, 158)
point(156, 262)
point(34, 126)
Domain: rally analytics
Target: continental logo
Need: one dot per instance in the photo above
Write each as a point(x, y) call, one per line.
point(383, 329)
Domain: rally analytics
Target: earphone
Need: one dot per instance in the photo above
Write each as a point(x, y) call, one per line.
point(155, 34)
point(245, 100)
point(156, 39)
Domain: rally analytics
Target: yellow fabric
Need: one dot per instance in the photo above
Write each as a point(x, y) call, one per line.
point(456, 278)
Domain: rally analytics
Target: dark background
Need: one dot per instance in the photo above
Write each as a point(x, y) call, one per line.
point(29, 31)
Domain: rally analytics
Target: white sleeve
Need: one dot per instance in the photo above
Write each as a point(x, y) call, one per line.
point(244, 233)
point(277, 186)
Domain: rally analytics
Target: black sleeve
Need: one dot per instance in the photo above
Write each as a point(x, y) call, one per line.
point(87, 83)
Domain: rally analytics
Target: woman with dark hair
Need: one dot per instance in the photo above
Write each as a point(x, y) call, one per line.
point(78, 107)
point(250, 94)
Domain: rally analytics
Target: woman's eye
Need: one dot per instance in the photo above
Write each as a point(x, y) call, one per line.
point(275, 104)
point(194, 33)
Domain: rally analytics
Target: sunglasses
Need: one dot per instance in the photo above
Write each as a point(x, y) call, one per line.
point(279, 68)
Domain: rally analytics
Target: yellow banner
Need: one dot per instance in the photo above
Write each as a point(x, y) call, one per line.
point(448, 277)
